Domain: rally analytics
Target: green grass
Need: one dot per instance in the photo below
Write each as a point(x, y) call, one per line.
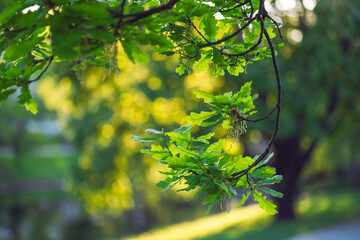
point(252, 223)
point(34, 167)
point(315, 212)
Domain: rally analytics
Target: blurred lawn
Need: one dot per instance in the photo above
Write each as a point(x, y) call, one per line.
point(251, 222)
point(38, 167)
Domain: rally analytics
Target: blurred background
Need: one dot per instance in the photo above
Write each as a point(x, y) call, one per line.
point(73, 172)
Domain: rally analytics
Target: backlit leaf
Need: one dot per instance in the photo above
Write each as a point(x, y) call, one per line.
point(209, 25)
point(264, 204)
point(204, 95)
point(272, 192)
point(145, 139)
point(244, 198)
point(270, 181)
point(198, 118)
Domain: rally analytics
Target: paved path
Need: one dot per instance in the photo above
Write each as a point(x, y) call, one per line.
point(344, 231)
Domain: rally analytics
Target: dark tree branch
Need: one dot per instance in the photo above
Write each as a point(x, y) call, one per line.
point(258, 119)
point(228, 37)
point(197, 30)
point(42, 73)
point(137, 16)
point(250, 49)
point(237, 175)
point(119, 23)
point(36, 61)
point(252, 9)
point(236, 6)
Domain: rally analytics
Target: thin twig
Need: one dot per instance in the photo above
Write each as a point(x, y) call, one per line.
point(276, 24)
point(42, 73)
point(230, 9)
point(137, 16)
point(228, 37)
point(258, 119)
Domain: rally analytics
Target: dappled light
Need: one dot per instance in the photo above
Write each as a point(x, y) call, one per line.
point(255, 136)
point(168, 111)
point(203, 81)
point(207, 226)
point(233, 148)
point(295, 36)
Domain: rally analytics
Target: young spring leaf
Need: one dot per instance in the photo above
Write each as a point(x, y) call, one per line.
point(204, 95)
point(25, 95)
point(205, 138)
point(209, 124)
point(244, 92)
point(198, 118)
point(264, 172)
point(183, 129)
point(180, 69)
point(264, 204)
point(134, 53)
point(145, 139)
point(222, 100)
point(183, 151)
point(176, 137)
point(168, 183)
point(235, 70)
point(244, 198)
point(203, 64)
point(211, 205)
point(31, 106)
point(218, 59)
point(184, 162)
point(270, 181)
point(265, 160)
point(272, 192)
point(153, 131)
point(208, 23)
point(158, 152)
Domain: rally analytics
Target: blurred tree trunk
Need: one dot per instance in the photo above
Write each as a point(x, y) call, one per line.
point(16, 213)
point(291, 160)
point(138, 215)
point(138, 219)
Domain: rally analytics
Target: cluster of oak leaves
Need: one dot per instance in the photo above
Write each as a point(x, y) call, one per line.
point(202, 165)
